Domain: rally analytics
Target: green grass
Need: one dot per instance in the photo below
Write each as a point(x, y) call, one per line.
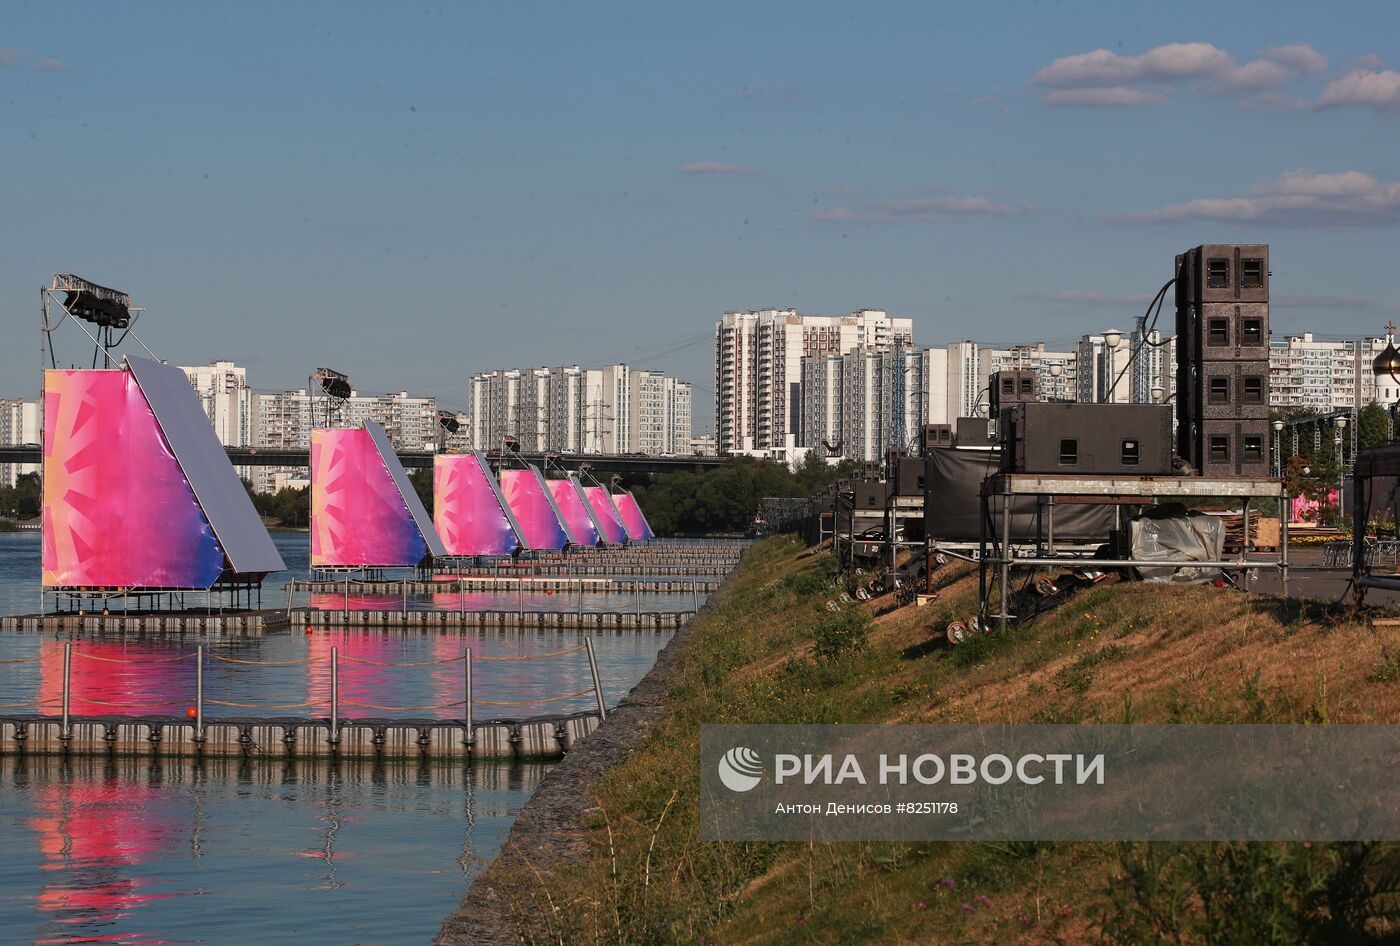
point(770, 651)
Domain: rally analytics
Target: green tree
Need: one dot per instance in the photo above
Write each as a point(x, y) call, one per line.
point(1372, 426)
point(422, 481)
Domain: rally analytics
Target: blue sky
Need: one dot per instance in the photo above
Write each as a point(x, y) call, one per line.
point(417, 193)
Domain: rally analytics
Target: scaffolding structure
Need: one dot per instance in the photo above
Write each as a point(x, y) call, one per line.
point(998, 557)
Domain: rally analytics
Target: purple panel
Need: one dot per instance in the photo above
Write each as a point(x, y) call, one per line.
point(533, 508)
point(358, 516)
point(638, 529)
point(609, 520)
point(117, 510)
point(568, 497)
point(469, 511)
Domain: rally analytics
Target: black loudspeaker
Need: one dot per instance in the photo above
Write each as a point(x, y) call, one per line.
point(1222, 375)
point(908, 476)
point(1011, 386)
point(1223, 272)
point(871, 494)
point(1230, 390)
point(1229, 448)
point(937, 435)
point(972, 432)
point(1098, 439)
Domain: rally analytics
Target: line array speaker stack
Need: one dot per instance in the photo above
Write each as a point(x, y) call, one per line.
point(1011, 386)
point(1222, 374)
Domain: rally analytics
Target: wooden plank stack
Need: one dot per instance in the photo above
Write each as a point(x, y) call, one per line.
point(1263, 532)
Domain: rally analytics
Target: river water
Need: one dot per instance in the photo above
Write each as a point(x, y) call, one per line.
point(135, 852)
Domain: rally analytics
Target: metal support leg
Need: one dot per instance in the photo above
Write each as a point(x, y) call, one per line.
point(467, 705)
point(66, 731)
point(1004, 615)
point(597, 684)
point(199, 694)
point(335, 696)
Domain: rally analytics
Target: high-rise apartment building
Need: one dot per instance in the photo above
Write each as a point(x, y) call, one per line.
point(614, 409)
point(1321, 376)
point(21, 423)
point(862, 403)
point(660, 421)
point(758, 368)
point(222, 388)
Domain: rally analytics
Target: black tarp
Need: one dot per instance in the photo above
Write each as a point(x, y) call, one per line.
point(952, 504)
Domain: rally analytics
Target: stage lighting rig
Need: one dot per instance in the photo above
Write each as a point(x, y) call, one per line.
point(109, 310)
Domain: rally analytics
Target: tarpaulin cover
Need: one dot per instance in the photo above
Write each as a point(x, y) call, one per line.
point(118, 511)
point(638, 529)
point(599, 500)
point(359, 517)
point(469, 511)
point(534, 509)
point(221, 494)
point(953, 504)
point(578, 515)
point(1178, 536)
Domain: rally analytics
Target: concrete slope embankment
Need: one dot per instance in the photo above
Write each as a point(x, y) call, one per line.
point(549, 833)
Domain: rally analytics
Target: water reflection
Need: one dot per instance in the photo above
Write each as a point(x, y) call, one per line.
point(97, 849)
point(377, 667)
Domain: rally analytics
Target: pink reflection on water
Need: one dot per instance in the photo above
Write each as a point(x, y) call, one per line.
point(110, 678)
point(91, 834)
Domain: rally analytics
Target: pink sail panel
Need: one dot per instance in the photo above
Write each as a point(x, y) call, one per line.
point(469, 510)
point(118, 511)
point(358, 516)
point(568, 496)
point(534, 509)
point(609, 520)
point(638, 529)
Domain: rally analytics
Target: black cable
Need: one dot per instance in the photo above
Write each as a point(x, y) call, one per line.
point(1157, 301)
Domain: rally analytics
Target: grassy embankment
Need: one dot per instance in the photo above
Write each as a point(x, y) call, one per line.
point(768, 652)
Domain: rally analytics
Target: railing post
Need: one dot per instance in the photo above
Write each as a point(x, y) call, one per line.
point(695, 596)
point(597, 684)
point(467, 706)
point(520, 596)
point(66, 732)
point(405, 594)
point(335, 696)
point(199, 693)
point(291, 592)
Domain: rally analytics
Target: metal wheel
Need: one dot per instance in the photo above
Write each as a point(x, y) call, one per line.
point(956, 632)
point(1045, 587)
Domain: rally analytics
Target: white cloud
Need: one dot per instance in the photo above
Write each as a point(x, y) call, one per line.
point(917, 208)
point(716, 167)
point(1300, 58)
point(1298, 198)
point(1379, 88)
point(1102, 77)
point(1115, 95)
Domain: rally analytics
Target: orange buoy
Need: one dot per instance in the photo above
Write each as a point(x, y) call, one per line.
point(308, 629)
point(192, 712)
